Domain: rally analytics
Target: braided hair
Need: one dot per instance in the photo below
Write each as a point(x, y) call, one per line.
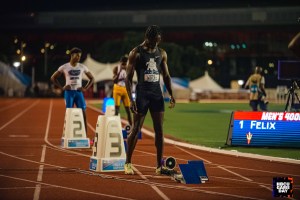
point(152, 31)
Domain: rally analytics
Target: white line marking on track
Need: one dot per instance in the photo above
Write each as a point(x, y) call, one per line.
point(243, 177)
point(16, 136)
point(133, 180)
point(37, 190)
point(67, 188)
point(10, 106)
point(154, 187)
point(18, 115)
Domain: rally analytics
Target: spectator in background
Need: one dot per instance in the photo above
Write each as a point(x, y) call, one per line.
point(119, 88)
point(256, 84)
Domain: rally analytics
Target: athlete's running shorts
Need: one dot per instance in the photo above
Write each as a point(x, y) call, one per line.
point(74, 97)
point(120, 93)
point(149, 100)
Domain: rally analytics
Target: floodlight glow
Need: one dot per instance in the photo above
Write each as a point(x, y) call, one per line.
point(240, 82)
point(16, 64)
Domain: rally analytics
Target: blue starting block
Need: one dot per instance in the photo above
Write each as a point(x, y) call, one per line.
point(124, 132)
point(193, 172)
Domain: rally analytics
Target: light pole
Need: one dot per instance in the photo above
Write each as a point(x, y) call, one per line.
point(21, 53)
point(44, 50)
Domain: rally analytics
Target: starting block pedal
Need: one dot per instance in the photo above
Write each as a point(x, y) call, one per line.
point(127, 129)
point(193, 172)
point(74, 134)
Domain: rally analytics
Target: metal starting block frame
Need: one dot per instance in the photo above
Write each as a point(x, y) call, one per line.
point(193, 172)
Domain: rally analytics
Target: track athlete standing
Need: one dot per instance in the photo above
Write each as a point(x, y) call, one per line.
point(149, 61)
point(119, 90)
point(73, 90)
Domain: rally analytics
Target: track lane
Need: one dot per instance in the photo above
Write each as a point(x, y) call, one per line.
point(223, 184)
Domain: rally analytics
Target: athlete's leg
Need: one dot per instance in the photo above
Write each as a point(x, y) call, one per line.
point(157, 118)
point(133, 136)
point(117, 110)
point(117, 99)
point(126, 103)
point(129, 118)
point(253, 104)
point(69, 98)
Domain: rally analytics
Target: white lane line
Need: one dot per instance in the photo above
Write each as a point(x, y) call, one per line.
point(154, 187)
point(37, 190)
point(48, 122)
point(12, 105)
point(67, 188)
point(18, 136)
point(133, 180)
point(243, 177)
point(196, 156)
point(19, 115)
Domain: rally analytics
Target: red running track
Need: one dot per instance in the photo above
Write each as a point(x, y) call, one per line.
point(34, 166)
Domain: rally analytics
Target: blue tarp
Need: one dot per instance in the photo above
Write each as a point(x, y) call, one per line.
point(25, 79)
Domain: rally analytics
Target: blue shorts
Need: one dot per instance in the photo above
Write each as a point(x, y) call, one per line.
point(74, 97)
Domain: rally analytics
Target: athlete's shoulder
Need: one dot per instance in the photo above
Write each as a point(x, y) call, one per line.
point(64, 66)
point(83, 67)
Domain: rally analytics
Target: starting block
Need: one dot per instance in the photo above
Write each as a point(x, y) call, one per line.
point(74, 134)
point(108, 148)
point(125, 132)
point(169, 162)
point(193, 172)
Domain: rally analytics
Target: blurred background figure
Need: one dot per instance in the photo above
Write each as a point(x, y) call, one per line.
point(119, 88)
point(256, 84)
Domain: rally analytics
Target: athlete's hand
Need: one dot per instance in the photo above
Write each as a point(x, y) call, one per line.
point(67, 87)
point(81, 89)
point(133, 107)
point(172, 102)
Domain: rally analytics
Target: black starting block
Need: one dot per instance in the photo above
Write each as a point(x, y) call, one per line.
point(169, 162)
point(193, 172)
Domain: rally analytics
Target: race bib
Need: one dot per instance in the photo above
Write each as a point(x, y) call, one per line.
point(151, 77)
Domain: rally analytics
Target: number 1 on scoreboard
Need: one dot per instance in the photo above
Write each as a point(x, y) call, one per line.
point(241, 124)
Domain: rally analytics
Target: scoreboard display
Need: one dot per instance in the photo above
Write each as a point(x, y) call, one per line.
point(264, 129)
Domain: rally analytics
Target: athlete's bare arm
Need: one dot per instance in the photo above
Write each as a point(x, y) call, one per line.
point(115, 74)
point(167, 77)
point(91, 80)
point(130, 72)
point(54, 79)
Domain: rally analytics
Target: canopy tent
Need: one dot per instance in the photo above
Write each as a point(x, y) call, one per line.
point(12, 82)
point(100, 71)
point(205, 83)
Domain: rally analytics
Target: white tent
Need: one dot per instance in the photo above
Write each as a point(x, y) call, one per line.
point(100, 71)
point(9, 82)
point(205, 83)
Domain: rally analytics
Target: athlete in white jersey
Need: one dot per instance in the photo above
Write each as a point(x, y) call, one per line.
point(73, 90)
point(73, 74)
point(119, 90)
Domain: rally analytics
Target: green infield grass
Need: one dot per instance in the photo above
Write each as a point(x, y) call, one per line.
point(206, 124)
